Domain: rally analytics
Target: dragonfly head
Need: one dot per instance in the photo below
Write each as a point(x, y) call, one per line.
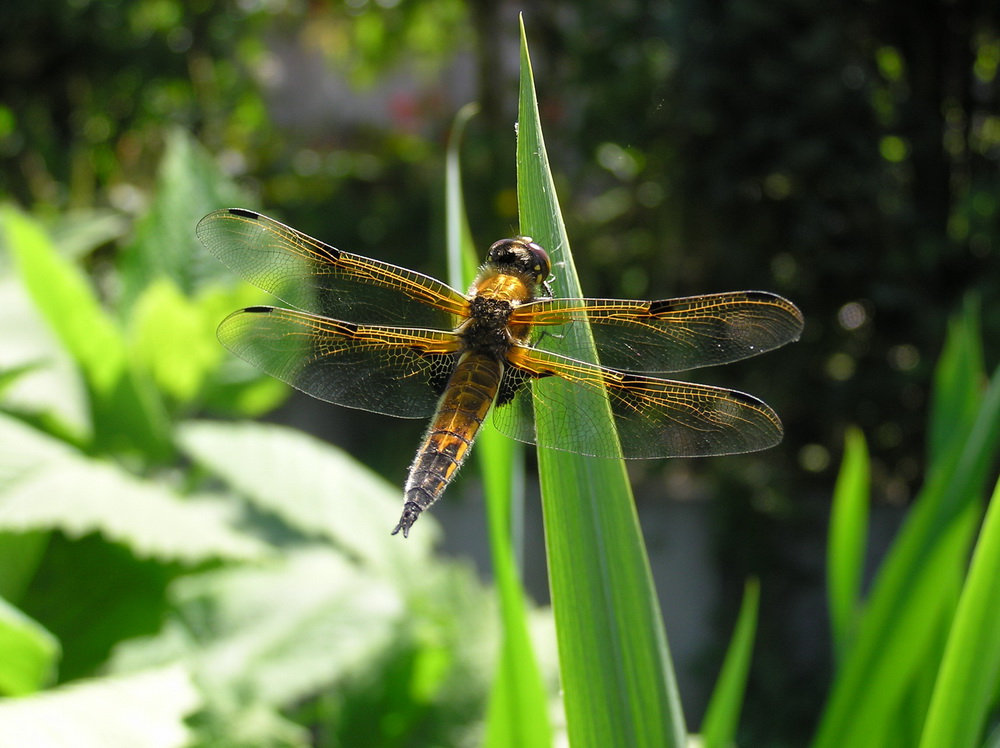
point(522, 254)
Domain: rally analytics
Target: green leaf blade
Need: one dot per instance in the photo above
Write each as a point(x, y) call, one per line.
point(517, 712)
point(723, 713)
point(846, 547)
point(617, 678)
point(914, 594)
point(971, 664)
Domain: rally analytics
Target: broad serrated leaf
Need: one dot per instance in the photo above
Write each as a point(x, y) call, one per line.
point(144, 710)
point(283, 631)
point(189, 185)
point(40, 376)
point(311, 486)
point(46, 485)
point(173, 340)
point(127, 414)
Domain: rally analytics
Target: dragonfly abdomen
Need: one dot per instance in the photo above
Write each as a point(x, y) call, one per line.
point(461, 411)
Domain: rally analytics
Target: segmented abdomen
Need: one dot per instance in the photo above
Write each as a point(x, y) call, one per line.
point(468, 397)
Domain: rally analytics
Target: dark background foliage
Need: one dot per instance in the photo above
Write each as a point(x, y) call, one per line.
point(843, 155)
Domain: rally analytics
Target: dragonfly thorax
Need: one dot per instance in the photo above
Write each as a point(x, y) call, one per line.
point(486, 330)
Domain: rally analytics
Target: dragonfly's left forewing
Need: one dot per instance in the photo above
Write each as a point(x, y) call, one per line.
point(316, 277)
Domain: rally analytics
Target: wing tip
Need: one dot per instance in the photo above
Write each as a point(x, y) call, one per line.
point(243, 213)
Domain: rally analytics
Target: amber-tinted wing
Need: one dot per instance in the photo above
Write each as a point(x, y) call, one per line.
point(396, 371)
point(316, 277)
point(654, 417)
point(671, 334)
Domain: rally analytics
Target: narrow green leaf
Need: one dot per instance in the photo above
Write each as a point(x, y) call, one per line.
point(144, 710)
point(914, 592)
point(617, 678)
point(28, 653)
point(968, 676)
point(463, 261)
point(956, 393)
point(846, 546)
point(517, 712)
point(723, 714)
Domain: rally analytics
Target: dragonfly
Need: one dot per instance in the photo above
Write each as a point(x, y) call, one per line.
point(366, 334)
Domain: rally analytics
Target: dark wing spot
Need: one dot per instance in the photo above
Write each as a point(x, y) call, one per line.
point(259, 309)
point(663, 306)
point(441, 368)
point(514, 380)
point(244, 213)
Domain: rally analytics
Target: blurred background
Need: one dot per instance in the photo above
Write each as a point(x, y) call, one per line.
point(846, 156)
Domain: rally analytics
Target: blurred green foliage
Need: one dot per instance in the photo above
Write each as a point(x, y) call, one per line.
point(199, 566)
point(846, 156)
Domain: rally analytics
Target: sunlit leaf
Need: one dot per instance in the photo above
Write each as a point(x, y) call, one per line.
point(126, 412)
point(144, 710)
point(617, 678)
point(313, 487)
point(46, 485)
point(189, 185)
point(28, 653)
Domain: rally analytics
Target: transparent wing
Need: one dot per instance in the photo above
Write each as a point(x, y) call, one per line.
point(318, 278)
point(668, 335)
point(396, 371)
point(654, 417)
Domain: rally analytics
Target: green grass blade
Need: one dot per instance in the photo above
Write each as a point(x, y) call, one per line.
point(846, 548)
point(517, 712)
point(916, 588)
point(956, 394)
point(968, 676)
point(723, 714)
point(617, 678)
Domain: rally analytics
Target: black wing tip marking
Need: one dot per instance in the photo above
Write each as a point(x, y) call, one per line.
point(244, 213)
point(743, 397)
point(761, 296)
point(332, 253)
point(259, 309)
